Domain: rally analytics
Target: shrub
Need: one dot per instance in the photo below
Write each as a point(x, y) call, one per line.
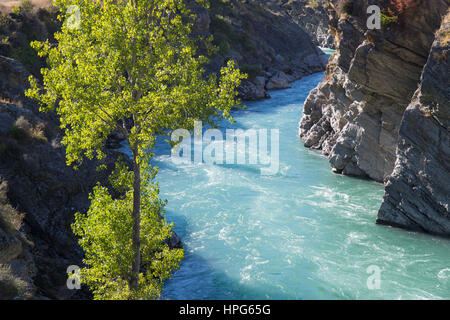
point(387, 20)
point(397, 10)
point(224, 47)
point(345, 7)
point(252, 70)
point(15, 10)
point(23, 130)
point(10, 286)
point(10, 219)
point(18, 133)
point(314, 3)
point(26, 6)
point(23, 26)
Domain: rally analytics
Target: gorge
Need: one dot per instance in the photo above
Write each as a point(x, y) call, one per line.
point(365, 115)
point(379, 115)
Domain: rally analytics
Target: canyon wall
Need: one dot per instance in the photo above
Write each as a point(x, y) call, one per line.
point(39, 193)
point(418, 191)
point(265, 41)
point(355, 115)
point(310, 15)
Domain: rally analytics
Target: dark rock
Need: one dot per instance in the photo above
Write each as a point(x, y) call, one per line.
point(253, 89)
point(263, 39)
point(6, 122)
point(279, 81)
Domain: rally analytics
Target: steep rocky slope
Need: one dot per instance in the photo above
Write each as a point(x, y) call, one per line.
point(37, 184)
point(264, 40)
point(418, 191)
point(355, 114)
point(310, 15)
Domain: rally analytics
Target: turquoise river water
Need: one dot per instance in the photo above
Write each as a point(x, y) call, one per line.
point(304, 233)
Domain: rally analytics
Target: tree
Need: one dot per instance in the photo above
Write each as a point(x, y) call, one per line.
point(130, 66)
point(106, 236)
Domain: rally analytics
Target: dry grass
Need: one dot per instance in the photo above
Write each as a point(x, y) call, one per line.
point(10, 219)
point(7, 5)
point(18, 103)
point(11, 287)
point(23, 130)
point(441, 56)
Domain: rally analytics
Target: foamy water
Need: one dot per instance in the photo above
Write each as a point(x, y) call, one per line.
point(304, 233)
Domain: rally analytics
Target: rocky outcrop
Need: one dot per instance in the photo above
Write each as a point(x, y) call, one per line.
point(354, 116)
point(278, 81)
point(17, 266)
point(254, 89)
point(264, 41)
point(417, 193)
point(310, 15)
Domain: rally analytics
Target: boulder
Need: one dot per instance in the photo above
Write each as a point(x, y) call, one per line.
point(278, 81)
point(254, 89)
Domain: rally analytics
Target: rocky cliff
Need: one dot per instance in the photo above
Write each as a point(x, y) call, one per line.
point(417, 192)
point(37, 184)
point(264, 40)
point(355, 115)
point(310, 15)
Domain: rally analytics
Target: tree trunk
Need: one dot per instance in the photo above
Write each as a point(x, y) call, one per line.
point(136, 222)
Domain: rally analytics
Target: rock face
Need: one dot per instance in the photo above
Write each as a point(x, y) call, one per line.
point(264, 41)
point(311, 16)
point(417, 193)
point(36, 182)
point(355, 113)
point(254, 89)
point(354, 116)
point(313, 19)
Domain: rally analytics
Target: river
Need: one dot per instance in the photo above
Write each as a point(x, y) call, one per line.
point(304, 233)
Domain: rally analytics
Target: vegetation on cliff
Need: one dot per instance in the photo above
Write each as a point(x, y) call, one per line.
point(137, 73)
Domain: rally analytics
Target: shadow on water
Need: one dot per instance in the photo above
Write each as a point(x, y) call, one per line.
point(200, 279)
